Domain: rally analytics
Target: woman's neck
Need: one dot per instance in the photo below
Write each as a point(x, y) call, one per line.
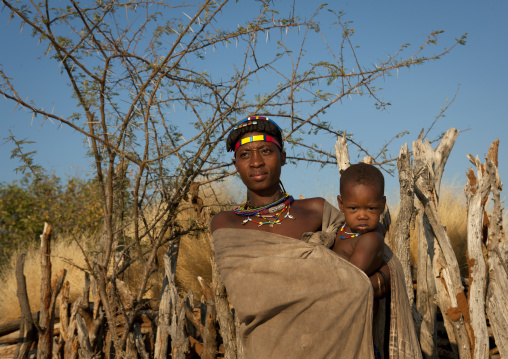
point(255, 200)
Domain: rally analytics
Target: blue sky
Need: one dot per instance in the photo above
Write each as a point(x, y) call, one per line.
point(480, 109)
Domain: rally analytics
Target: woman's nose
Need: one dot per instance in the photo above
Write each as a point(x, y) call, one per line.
point(256, 159)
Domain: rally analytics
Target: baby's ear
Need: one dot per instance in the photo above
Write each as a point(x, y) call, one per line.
point(339, 201)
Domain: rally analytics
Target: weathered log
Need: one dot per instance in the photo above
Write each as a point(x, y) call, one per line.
point(44, 347)
point(162, 337)
point(85, 350)
point(425, 278)
point(497, 254)
point(138, 340)
point(209, 333)
point(14, 325)
point(406, 210)
point(342, 152)
point(429, 166)
point(456, 311)
point(27, 333)
point(8, 351)
point(172, 306)
point(64, 310)
point(477, 190)
point(497, 299)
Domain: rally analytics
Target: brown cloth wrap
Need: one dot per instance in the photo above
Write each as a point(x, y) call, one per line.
point(297, 298)
point(402, 341)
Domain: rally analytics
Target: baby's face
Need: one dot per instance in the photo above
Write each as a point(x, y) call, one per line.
point(362, 205)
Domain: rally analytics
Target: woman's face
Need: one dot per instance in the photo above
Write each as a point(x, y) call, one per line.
point(259, 164)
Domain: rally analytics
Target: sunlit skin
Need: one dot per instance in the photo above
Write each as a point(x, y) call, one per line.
point(259, 166)
point(362, 206)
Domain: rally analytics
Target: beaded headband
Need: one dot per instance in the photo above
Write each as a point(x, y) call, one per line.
point(256, 138)
point(251, 121)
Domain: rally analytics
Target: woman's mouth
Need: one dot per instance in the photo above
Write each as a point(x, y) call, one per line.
point(258, 176)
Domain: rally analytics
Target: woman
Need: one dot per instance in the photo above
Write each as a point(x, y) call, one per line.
point(295, 298)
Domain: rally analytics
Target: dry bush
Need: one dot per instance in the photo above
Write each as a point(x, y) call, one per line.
point(63, 253)
point(195, 251)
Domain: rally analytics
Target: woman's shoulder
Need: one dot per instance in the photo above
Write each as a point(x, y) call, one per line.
point(222, 220)
point(314, 205)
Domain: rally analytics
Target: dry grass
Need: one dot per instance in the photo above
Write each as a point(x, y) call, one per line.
point(62, 253)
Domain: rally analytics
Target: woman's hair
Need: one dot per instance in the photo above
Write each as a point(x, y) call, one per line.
point(364, 174)
point(253, 124)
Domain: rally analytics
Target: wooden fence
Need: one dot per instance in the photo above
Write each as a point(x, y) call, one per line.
point(475, 316)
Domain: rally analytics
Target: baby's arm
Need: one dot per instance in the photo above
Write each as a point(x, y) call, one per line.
point(368, 252)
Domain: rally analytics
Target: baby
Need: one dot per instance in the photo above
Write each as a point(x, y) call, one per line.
point(360, 240)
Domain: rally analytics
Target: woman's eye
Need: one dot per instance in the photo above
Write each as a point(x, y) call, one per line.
point(244, 155)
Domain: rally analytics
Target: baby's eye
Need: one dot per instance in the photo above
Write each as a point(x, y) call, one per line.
point(353, 208)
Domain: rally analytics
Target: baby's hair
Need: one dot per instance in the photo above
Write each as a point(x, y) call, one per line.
point(364, 174)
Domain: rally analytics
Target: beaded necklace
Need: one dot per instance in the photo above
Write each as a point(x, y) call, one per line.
point(270, 213)
point(351, 235)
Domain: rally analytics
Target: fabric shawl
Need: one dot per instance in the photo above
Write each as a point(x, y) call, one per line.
point(401, 342)
point(296, 298)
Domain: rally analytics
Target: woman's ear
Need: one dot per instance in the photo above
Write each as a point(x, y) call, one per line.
point(283, 158)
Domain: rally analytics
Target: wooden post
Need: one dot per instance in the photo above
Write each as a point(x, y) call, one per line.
point(27, 331)
point(497, 254)
point(171, 306)
point(138, 340)
point(44, 347)
point(429, 166)
point(426, 287)
point(162, 339)
point(404, 218)
point(453, 302)
point(477, 190)
point(208, 333)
